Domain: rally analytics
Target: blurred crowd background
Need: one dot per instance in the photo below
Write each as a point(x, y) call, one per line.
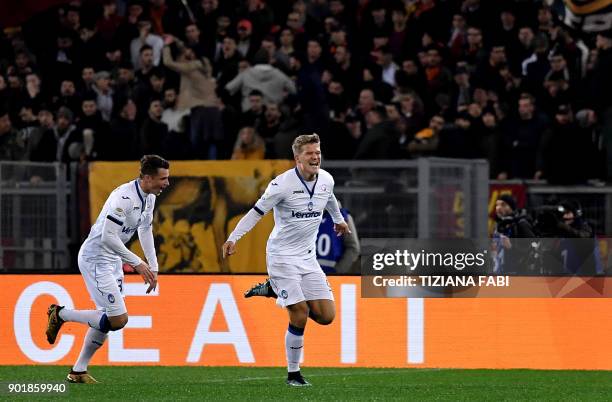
point(208, 79)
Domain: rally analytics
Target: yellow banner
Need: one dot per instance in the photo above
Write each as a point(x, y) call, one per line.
point(194, 216)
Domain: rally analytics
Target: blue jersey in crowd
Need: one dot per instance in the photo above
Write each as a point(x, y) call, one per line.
point(330, 247)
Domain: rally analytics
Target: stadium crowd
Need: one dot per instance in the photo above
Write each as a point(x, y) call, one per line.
point(210, 79)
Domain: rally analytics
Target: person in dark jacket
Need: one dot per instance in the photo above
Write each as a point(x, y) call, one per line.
point(154, 132)
point(522, 141)
point(381, 140)
point(578, 247)
point(567, 151)
point(510, 256)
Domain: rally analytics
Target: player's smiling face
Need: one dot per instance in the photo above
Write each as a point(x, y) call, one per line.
point(309, 160)
point(157, 183)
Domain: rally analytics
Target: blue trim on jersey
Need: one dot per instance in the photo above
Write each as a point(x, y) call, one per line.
point(259, 211)
point(113, 219)
point(297, 172)
point(139, 195)
point(295, 330)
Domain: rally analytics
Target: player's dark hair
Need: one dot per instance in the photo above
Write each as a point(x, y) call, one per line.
point(149, 164)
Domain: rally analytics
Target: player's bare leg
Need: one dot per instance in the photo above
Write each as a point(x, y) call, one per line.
point(94, 339)
point(294, 343)
point(322, 311)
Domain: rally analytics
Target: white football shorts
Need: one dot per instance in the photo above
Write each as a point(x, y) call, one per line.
point(104, 282)
point(297, 279)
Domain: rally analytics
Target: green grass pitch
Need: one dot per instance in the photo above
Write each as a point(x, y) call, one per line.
point(250, 383)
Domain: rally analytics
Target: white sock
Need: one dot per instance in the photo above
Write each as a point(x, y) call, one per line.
point(94, 318)
point(294, 345)
point(94, 339)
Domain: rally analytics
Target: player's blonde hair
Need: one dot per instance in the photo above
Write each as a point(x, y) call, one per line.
point(302, 140)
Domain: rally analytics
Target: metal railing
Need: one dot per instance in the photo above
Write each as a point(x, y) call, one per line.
point(33, 216)
point(425, 198)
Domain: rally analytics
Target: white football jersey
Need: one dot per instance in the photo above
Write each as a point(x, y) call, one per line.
point(298, 209)
point(130, 208)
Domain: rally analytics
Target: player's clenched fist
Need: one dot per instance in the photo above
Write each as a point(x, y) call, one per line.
point(229, 248)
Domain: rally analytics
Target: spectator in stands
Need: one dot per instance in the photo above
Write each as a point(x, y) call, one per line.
point(426, 141)
point(145, 37)
point(295, 22)
point(93, 130)
point(104, 94)
point(388, 66)
point(197, 94)
point(272, 82)
point(67, 96)
point(278, 59)
point(564, 143)
point(490, 138)
point(87, 79)
point(255, 114)
point(345, 71)
point(249, 145)
point(227, 61)
point(286, 43)
point(268, 126)
point(258, 12)
point(522, 141)
point(178, 144)
point(537, 65)
point(246, 43)
point(145, 63)
point(146, 90)
point(207, 15)
point(474, 53)
point(194, 41)
point(91, 47)
point(108, 23)
point(366, 102)
point(154, 132)
point(381, 139)
point(311, 89)
point(124, 130)
point(69, 140)
point(601, 85)
point(461, 92)
point(42, 144)
point(172, 115)
point(439, 77)
point(459, 139)
point(496, 52)
point(12, 143)
point(338, 139)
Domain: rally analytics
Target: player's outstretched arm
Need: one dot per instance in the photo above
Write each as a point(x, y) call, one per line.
point(243, 227)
